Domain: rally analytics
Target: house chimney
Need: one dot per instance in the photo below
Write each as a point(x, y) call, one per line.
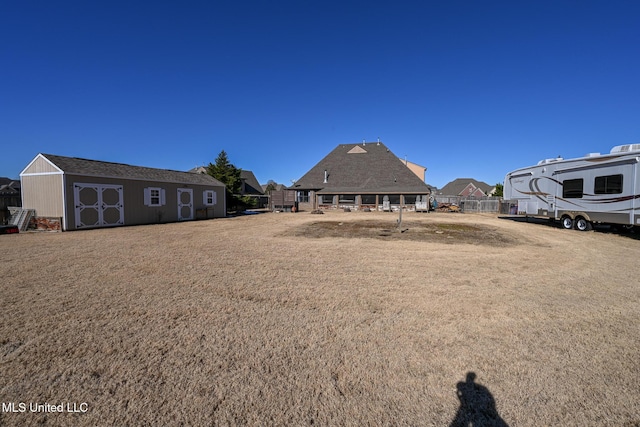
point(364, 141)
point(325, 176)
point(378, 140)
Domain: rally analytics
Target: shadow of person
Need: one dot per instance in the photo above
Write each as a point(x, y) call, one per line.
point(477, 406)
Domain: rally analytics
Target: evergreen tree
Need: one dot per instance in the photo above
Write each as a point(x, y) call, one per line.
point(499, 190)
point(225, 172)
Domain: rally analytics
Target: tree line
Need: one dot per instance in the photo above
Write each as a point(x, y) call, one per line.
point(228, 174)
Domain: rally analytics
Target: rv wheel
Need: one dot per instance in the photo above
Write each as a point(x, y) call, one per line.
point(582, 224)
point(567, 222)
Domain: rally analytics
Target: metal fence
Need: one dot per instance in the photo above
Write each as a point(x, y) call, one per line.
point(478, 205)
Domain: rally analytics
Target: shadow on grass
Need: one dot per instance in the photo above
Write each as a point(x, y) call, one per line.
point(601, 228)
point(477, 406)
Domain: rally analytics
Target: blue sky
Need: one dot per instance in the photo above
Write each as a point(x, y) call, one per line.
point(464, 88)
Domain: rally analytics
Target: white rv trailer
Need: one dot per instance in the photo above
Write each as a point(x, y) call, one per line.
point(597, 188)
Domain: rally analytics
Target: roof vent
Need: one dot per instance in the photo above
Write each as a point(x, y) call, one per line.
point(546, 161)
point(625, 148)
point(593, 154)
point(357, 150)
point(325, 176)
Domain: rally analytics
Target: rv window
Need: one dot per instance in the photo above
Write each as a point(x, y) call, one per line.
point(610, 184)
point(572, 188)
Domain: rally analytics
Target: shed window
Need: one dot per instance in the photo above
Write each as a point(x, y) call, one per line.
point(610, 184)
point(209, 197)
point(154, 196)
point(572, 188)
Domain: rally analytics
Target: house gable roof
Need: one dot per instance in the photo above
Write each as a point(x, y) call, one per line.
point(276, 187)
point(361, 168)
point(97, 168)
point(251, 184)
point(457, 186)
point(9, 186)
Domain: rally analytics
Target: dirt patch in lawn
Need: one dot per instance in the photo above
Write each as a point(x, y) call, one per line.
point(450, 233)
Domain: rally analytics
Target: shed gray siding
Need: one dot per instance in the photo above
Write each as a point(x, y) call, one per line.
point(135, 211)
point(57, 186)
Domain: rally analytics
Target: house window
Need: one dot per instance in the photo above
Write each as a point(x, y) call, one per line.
point(209, 197)
point(410, 199)
point(154, 196)
point(368, 199)
point(326, 199)
point(610, 184)
point(394, 199)
point(572, 188)
point(347, 198)
point(303, 196)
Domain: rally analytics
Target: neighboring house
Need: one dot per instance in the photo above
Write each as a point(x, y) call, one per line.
point(9, 197)
point(90, 193)
point(467, 187)
point(279, 197)
point(252, 188)
point(250, 185)
point(273, 186)
point(199, 169)
point(364, 175)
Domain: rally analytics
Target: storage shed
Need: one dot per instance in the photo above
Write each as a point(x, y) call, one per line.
point(90, 193)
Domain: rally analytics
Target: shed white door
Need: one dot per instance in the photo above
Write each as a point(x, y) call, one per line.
point(98, 205)
point(185, 204)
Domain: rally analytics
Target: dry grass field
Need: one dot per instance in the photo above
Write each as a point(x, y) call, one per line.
point(323, 320)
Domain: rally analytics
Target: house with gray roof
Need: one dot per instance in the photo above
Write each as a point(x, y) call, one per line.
point(87, 193)
point(467, 187)
point(250, 186)
point(358, 176)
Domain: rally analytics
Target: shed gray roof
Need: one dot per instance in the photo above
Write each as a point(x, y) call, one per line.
point(97, 168)
point(361, 168)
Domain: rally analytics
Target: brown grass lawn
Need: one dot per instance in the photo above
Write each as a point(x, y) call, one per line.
point(335, 319)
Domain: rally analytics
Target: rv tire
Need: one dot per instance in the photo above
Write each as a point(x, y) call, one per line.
point(567, 222)
point(582, 224)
